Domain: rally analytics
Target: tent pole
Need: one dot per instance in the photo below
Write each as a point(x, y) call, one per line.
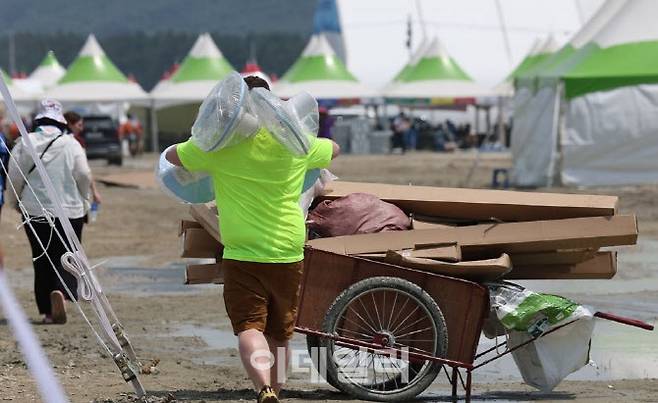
point(155, 141)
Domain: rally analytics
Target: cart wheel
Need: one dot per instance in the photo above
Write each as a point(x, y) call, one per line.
point(393, 313)
point(313, 343)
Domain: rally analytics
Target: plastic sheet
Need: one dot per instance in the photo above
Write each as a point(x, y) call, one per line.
point(224, 118)
point(290, 122)
point(182, 185)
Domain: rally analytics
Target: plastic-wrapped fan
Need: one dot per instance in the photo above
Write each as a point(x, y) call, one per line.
point(306, 110)
point(290, 123)
point(224, 118)
point(182, 185)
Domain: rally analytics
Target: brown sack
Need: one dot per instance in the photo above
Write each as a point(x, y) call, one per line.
point(356, 213)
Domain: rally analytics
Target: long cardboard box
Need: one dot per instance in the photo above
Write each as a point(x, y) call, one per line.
point(204, 274)
point(602, 266)
point(521, 237)
point(480, 204)
point(444, 252)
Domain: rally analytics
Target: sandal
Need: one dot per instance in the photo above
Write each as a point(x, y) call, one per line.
point(267, 395)
point(58, 308)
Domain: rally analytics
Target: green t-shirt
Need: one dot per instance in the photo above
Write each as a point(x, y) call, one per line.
point(257, 187)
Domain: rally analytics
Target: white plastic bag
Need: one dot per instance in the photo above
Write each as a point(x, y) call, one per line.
point(545, 362)
point(224, 118)
point(182, 185)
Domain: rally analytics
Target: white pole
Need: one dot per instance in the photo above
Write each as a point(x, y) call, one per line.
point(503, 28)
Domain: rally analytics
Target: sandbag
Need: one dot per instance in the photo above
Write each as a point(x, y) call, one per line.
point(356, 213)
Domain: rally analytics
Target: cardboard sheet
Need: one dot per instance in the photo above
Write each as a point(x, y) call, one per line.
point(480, 204)
point(197, 243)
point(204, 274)
point(602, 266)
point(522, 237)
point(206, 216)
point(479, 270)
point(444, 252)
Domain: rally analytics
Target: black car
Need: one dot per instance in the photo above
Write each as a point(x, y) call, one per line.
point(101, 137)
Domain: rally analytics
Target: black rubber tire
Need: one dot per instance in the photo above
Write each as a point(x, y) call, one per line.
point(430, 371)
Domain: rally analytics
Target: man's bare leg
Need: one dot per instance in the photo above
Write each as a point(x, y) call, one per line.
point(255, 356)
point(280, 351)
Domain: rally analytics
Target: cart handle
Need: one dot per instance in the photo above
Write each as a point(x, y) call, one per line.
point(625, 321)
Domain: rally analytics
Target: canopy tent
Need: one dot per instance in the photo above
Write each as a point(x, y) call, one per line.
point(200, 71)
point(537, 102)
point(320, 72)
point(604, 94)
point(93, 78)
point(438, 77)
point(539, 52)
point(49, 71)
point(18, 93)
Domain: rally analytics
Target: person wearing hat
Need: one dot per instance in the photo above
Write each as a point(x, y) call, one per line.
point(257, 185)
point(66, 164)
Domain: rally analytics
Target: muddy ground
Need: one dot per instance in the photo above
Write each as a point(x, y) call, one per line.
point(186, 328)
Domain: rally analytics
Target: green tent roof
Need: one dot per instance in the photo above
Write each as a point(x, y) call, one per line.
point(435, 64)
point(50, 60)
point(92, 64)
point(318, 62)
point(603, 69)
point(204, 62)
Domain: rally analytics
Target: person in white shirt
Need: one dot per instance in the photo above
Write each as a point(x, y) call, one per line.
point(66, 164)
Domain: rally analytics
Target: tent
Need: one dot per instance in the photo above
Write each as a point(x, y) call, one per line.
point(18, 93)
point(201, 70)
point(537, 101)
point(93, 78)
point(605, 120)
point(49, 71)
point(320, 72)
point(435, 76)
point(539, 52)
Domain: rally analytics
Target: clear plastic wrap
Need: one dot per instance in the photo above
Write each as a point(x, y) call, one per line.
point(182, 185)
point(290, 122)
point(224, 118)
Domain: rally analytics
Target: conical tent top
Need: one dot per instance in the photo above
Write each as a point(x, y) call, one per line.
point(413, 61)
point(318, 62)
point(436, 64)
point(204, 62)
point(92, 64)
point(50, 60)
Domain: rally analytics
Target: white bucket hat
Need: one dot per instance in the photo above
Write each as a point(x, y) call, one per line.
point(51, 109)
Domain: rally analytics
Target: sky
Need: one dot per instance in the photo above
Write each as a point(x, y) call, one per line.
point(375, 32)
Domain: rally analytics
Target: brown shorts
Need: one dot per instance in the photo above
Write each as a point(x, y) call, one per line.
point(262, 296)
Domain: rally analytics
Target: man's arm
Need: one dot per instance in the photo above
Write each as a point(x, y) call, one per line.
point(335, 150)
point(172, 155)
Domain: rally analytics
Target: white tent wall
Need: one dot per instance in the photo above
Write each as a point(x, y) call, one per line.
point(611, 138)
point(534, 136)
